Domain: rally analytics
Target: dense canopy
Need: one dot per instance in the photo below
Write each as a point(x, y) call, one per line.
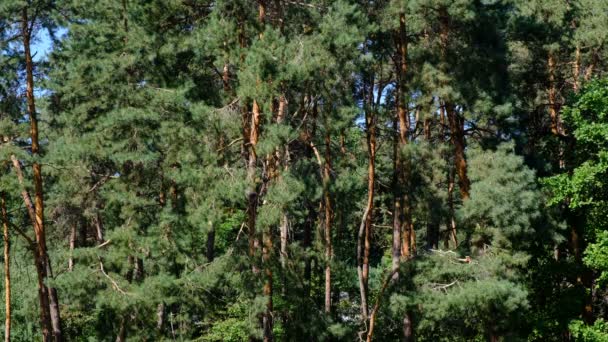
point(304, 170)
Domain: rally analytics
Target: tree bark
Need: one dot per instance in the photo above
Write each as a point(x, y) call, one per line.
point(27, 199)
point(591, 67)
point(282, 162)
point(397, 206)
point(226, 77)
point(552, 92)
point(401, 205)
point(39, 227)
point(72, 246)
point(122, 331)
point(576, 69)
point(363, 251)
point(374, 314)
point(306, 243)
point(160, 318)
point(252, 194)
point(267, 318)
point(404, 166)
point(408, 328)
point(456, 123)
point(451, 222)
point(7, 272)
point(328, 221)
point(43, 298)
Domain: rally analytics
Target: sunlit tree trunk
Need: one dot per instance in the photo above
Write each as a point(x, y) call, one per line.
point(39, 227)
point(72, 247)
point(7, 271)
point(403, 166)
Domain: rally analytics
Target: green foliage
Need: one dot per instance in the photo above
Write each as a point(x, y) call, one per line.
point(152, 193)
point(596, 332)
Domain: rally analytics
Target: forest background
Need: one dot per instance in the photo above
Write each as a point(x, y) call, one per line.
point(304, 170)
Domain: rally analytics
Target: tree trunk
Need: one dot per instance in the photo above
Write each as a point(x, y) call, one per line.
point(99, 228)
point(54, 308)
point(226, 77)
point(267, 321)
point(43, 298)
point(267, 318)
point(364, 237)
point(408, 328)
point(122, 331)
point(404, 126)
point(251, 177)
point(432, 226)
point(456, 123)
point(7, 272)
point(39, 227)
point(552, 91)
point(591, 67)
point(306, 243)
point(401, 205)
point(282, 162)
point(160, 318)
point(397, 206)
point(374, 314)
point(451, 223)
point(72, 246)
point(576, 69)
point(210, 252)
point(27, 199)
point(328, 221)
point(311, 218)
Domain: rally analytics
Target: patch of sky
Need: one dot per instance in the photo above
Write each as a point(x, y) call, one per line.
point(43, 43)
point(42, 46)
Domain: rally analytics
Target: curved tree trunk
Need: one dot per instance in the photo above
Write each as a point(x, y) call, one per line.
point(364, 237)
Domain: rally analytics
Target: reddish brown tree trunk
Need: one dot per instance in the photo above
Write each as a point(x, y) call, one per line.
point(432, 225)
point(7, 271)
point(328, 221)
point(39, 227)
point(267, 319)
point(43, 298)
point(403, 166)
point(450, 234)
point(251, 177)
point(312, 210)
point(458, 141)
point(451, 223)
point(552, 91)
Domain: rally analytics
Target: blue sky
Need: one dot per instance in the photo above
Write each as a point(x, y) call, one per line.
point(43, 45)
